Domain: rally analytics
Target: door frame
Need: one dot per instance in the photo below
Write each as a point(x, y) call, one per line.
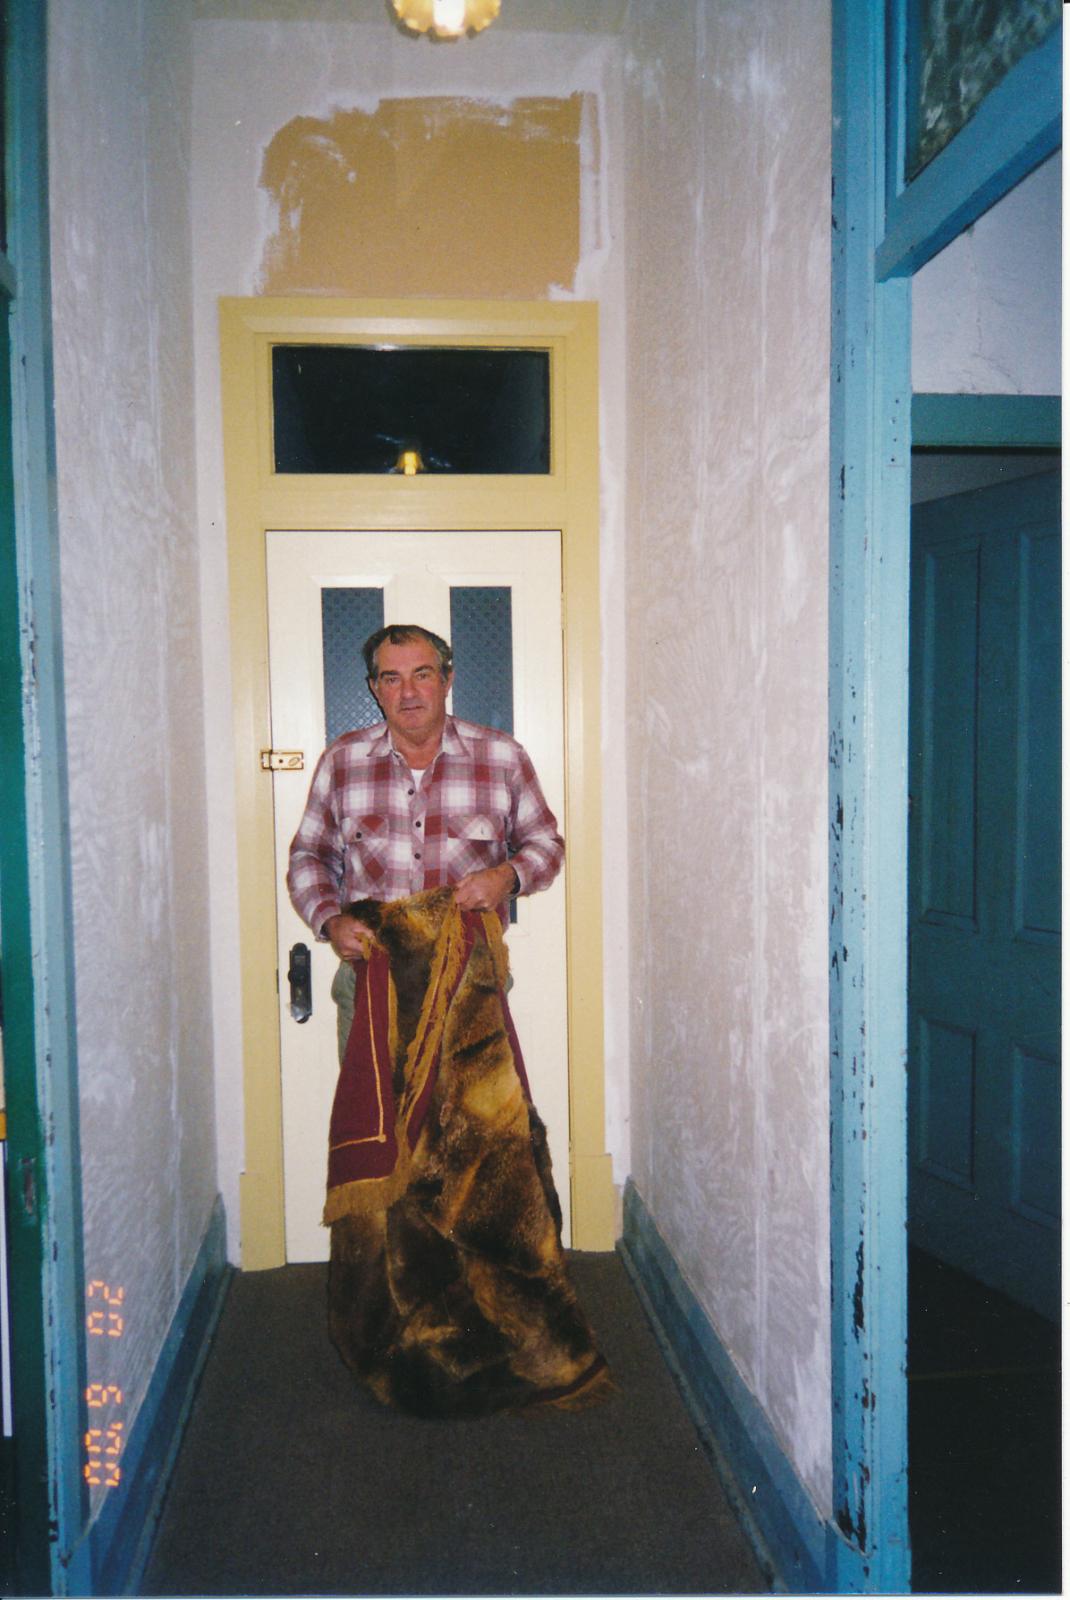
point(884, 230)
point(566, 498)
point(45, 1237)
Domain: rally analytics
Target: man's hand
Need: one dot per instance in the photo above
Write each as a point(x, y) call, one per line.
point(347, 936)
point(484, 890)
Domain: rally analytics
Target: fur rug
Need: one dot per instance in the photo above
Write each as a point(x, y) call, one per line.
point(448, 1290)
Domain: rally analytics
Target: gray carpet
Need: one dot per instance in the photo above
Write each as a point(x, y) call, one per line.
point(293, 1481)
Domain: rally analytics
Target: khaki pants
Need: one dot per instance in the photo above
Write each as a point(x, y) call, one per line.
point(343, 993)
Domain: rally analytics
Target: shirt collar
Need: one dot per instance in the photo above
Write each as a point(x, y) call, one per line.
point(452, 742)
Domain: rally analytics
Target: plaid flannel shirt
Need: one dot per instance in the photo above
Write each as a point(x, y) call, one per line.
point(370, 832)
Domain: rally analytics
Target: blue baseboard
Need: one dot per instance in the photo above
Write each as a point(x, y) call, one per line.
point(799, 1552)
point(120, 1539)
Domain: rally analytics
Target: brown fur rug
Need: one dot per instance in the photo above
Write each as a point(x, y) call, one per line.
point(448, 1291)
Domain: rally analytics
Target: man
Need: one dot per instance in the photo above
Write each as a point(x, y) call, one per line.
point(416, 802)
point(448, 1292)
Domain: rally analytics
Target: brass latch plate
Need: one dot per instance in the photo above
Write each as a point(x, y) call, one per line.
point(282, 760)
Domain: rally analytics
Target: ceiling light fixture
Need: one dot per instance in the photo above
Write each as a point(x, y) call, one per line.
point(447, 19)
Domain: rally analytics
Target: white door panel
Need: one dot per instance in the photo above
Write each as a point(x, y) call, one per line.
point(415, 572)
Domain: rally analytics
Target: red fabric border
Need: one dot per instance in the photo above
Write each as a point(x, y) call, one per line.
point(363, 1141)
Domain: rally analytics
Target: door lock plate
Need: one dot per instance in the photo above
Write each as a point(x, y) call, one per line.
point(282, 760)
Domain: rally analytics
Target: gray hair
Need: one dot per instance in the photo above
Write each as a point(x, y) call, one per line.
point(405, 633)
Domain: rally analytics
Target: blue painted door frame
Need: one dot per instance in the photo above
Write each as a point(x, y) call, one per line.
point(44, 1187)
point(883, 231)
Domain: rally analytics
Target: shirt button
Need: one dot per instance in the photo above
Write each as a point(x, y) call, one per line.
point(417, 853)
point(417, 824)
point(412, 791)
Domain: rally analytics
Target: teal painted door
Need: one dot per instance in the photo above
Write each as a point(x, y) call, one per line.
point(984, 851)
point(24, 1504)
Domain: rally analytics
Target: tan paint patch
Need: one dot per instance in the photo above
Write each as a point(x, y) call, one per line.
point(438, 197)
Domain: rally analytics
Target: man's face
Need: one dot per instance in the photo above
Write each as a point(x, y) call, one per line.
point(411, 690)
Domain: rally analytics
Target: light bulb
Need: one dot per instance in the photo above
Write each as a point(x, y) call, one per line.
point(446, 19)
point(448, 16)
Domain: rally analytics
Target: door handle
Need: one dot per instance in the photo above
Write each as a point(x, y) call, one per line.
point(299, 975)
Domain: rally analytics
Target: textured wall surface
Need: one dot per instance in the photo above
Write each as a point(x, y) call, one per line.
point(703, 231)
point(264, 92)
point(120, 97)
point(727, 260)
point(987, 309)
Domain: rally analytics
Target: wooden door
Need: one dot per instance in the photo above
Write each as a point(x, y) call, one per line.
point(984, 854)
point(326, 593)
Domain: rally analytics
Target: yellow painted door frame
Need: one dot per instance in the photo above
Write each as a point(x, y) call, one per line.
point(259, 499)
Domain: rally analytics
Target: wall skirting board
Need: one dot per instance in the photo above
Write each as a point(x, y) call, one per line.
point(799, 1552)
point(120, 1539)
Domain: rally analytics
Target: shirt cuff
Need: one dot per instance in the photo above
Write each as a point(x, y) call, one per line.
point(323, 913)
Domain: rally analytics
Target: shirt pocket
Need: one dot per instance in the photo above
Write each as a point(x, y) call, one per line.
point(477, 829)
point(473, 841)
point(367, 836)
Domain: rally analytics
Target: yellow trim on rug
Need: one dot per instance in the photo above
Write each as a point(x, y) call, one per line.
point(443, 978)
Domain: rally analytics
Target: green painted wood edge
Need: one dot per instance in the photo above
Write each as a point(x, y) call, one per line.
point(121, 1537)
point(26, 1544)
point(993, 421)
point(868, 570)
point(53, 1370)
point(787, 1534)
point(1015, 128)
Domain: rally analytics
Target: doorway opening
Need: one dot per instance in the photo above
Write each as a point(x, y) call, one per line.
point(887, 226)
point(389, 505)
point(983, 1021)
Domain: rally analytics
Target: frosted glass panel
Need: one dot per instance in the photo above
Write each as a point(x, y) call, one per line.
point(481, 626)
point(349, 616)
point(481, 632)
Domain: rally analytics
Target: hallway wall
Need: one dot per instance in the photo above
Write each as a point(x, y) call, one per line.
point(315, 172)
point(986, 311)
point(119, 138)
point(728, 272)
point(691, 200)
point(703, 233)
